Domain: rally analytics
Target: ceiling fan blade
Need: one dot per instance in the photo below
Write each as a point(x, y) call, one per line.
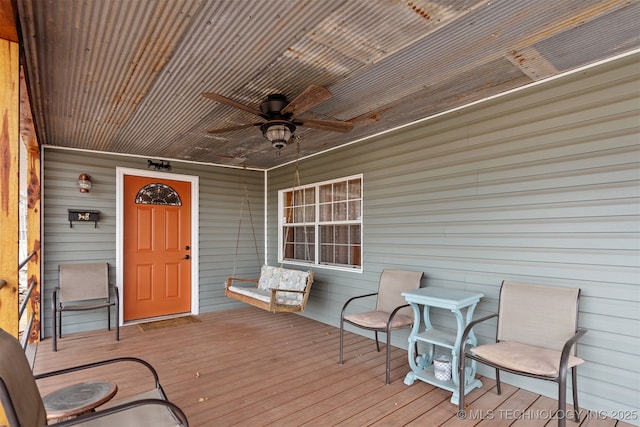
point(232, 128)
point(330, 125)
point(312, 96)
point(224, 100)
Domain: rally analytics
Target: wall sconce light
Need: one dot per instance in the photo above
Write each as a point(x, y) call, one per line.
point(84, 183)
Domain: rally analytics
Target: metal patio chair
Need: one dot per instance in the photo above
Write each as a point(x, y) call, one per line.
point(83, 287)
point(536, 337)
point(24, 407)
point(391, 313)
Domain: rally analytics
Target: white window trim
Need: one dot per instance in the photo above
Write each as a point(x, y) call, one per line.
point(316, 224)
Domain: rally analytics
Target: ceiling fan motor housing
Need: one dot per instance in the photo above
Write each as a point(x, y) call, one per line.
point(273, 105)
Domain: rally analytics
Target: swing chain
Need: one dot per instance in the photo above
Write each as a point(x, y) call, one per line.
point(296, 187)
point(253, 230)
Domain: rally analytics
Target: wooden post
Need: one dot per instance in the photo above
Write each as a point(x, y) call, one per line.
point(9, 188)
point(9, 185)
point(9, 172)
point(28, 135)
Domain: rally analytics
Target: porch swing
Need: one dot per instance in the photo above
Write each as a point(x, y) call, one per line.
point(278, 289)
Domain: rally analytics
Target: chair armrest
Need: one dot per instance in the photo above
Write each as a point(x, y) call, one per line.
point(177, 413)
point(103, 363)
point(344, 307)
point(566, 349)
point(230, 281)
point(393, 314)
point(469, 327)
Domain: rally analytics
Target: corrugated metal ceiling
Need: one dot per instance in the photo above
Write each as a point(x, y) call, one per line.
point(127, 76)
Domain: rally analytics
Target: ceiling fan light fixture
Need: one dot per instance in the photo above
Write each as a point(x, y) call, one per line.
point(278, 132)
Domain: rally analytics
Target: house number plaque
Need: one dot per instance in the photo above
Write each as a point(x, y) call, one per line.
point(82, 215)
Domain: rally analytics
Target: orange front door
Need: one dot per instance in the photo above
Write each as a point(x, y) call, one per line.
point(156, 250)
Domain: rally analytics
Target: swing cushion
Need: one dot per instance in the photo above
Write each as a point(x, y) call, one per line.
point(282, 278)
point(269, 277)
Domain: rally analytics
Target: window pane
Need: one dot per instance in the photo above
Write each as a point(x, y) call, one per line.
point(288, 215)
point(326, 254)
point(310, 196)
point(310, 214)
point(300, 254)
point(355, 255)
point(340, 191)
point(354, 189)
point(325, 193)
point(342, 234)
point(340, 211)
point(326, 234)
point(298, 214)
point(354, 234)
point(342, 255)
point(310, 253)
point(354, 210)
point(325, 212)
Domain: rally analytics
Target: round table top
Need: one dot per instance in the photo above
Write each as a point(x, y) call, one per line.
point(78, 398)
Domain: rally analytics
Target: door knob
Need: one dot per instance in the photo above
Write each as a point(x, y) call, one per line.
point(186, 257)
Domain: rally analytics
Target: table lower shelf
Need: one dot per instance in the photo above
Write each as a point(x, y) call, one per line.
point(428, 376)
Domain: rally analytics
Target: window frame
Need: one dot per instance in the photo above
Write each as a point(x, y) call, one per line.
point(317, 224)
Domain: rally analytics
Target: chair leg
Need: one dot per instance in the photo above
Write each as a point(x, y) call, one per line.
point(341, 338)
point(498, 389)
point(562, 401)
point(117, 297)
point(108, 317)
point(59, 324)
point(377, 343)
point(576, 408)
point(388, 371)
point(117, 323)
point(461, 364)
point(54, 335)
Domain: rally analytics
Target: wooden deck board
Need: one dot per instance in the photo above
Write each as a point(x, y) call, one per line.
point(248, 367)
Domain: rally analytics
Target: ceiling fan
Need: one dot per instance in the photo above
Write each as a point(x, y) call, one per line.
point(281, 116)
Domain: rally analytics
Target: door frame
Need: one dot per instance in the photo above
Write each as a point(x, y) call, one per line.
point(195, 197)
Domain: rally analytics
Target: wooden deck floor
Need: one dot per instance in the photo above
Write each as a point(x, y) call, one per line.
point(247, 367)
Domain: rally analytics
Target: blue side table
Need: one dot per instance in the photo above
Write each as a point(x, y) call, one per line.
point(422, 364)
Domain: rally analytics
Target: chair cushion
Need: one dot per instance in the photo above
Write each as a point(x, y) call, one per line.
point(379, 319)
point(524, 357)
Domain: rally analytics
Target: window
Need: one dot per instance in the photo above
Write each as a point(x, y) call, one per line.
point(158, 194)
point(321, 224)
